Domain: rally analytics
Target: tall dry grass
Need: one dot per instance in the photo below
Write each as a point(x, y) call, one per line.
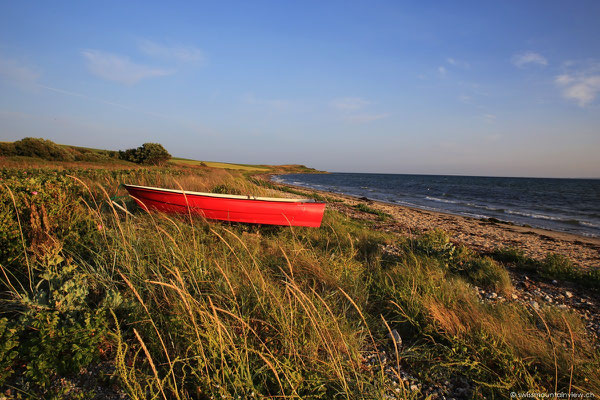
point(186, 308)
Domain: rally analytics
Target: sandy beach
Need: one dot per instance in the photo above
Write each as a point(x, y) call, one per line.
point(480, 235)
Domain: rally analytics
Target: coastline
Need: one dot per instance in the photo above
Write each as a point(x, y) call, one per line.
point(478, 234)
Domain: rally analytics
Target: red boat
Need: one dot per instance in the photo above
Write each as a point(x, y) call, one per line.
point(227, 207)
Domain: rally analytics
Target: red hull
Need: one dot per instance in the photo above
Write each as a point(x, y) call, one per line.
point(229, 207)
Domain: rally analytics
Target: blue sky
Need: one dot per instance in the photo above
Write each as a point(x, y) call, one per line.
point(509, 88)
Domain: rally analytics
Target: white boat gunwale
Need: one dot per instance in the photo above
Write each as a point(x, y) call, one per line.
point(225, 196)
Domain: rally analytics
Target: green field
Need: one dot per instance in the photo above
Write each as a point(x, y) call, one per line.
point(214, 164)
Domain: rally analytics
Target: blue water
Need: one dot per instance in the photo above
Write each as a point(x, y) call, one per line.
point(570, 205)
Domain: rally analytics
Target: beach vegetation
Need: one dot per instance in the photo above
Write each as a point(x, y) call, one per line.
point(553, 266)
point(148, 153)
point(38, 148)
point(370, 210)
point(47, 150)
point(478, 270)
point(163, 306)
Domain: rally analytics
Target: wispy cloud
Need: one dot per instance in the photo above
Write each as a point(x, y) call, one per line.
point(489, 118)
point(120, 69)
point(442, 71)
point(15, 72)
point(177, 53)
point(581, 87)
point(352, 110)
point(465, 98)
point(523, 59)
point(458, 63)
point(347, 104)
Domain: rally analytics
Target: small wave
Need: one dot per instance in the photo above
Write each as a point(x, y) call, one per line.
point(489, 208)
point(441, 200)
point(478, 216)
point(534, 215)
point(591, 225)
point(569, 221)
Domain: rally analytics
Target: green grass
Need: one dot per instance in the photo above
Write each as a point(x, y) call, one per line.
point(365, 208)
point(213, 164)
point(554, 266)
point(182, 308)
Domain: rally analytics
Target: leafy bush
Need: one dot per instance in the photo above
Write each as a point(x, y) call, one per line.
point(7, 149)
point(516, 257)
point(487, 273)
point(8, 349)
point(41, 148)
point(482, 271)
point(50, 151)
point(148, 153)
point(436, 243)
point(61, 332)
point(556, 265)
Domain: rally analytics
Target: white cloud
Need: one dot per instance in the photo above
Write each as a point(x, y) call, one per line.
point(15, 72)
point(442, 70)
point(177, 53)
point(347, 104)
point(581, 87)
point(529, 57)
point(564, 79)
point(120, 69)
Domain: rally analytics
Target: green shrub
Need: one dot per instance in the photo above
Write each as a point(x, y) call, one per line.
point(481, 271)
point(10, 238)
point(365, 208)
point(148, 153)
point(557, 266)
point(554, 266)
point(9, 341)
point(225, 189)
point(41, 148)
point(435, 243)
point(517, 257)
point(7, 149)
point(60, 330)
point(487, 273)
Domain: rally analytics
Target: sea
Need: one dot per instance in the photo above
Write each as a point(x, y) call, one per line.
point(568, 205)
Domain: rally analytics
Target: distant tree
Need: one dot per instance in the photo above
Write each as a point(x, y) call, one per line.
point(148, 153)
point(7, 149)
point(41, 148)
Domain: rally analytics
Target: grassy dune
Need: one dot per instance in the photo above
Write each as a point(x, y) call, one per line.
point(158, 306)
